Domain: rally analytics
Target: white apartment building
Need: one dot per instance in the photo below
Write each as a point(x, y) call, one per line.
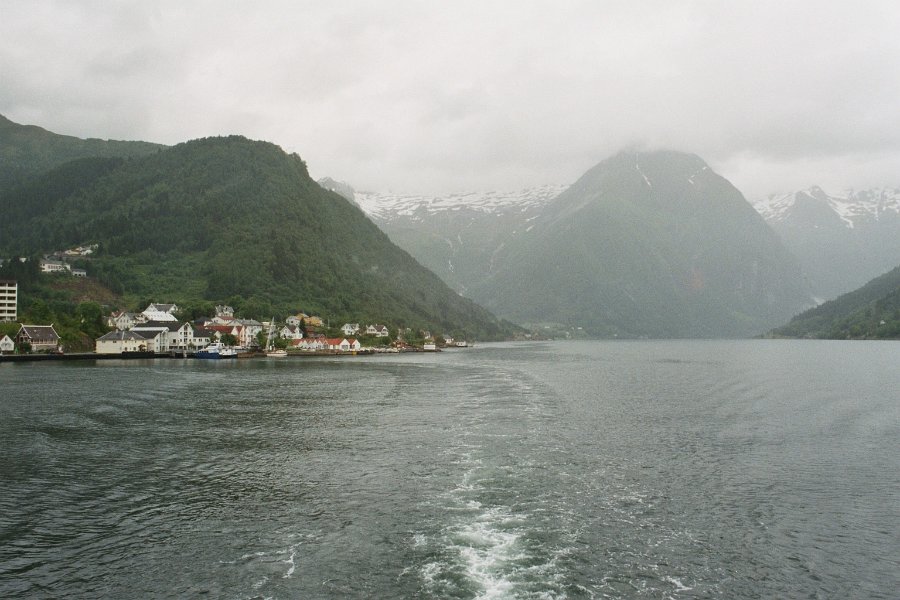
point(9, 294)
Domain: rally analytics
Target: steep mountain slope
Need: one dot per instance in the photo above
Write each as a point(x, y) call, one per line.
point(220, 217)
point(649, 244)
point(26, 150)
point(871, 312)
point(842, 240)
point(461, 237)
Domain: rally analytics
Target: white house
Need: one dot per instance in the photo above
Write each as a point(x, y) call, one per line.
point(182, 338)
point(122, 320)
point(160, 312)
point(41, 337)
point(350, 328)
point(156, 316)
point(249, 333)
point(219, 320)
point(291, 332)
point(54, 266)
point(79, 273)
point(116, 342)
point(342, 344)
point(233, 329)
point(224, 311)
point(166, 308)
point(202, 338)
point(377, 330)
point(7, 345)
point(154, 341)
point(175, 336)
point(309, 344)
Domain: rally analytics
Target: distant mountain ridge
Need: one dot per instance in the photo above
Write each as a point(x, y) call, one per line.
point(602, 254)
point(854, 208)
point(461, 236)
point(649, 244)
point(26, 150)
point(842, 240)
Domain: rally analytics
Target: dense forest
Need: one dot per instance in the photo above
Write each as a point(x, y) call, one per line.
point(230, 220)
point(28, 150)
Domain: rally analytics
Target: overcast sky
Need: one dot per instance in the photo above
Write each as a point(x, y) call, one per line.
point(431, 97)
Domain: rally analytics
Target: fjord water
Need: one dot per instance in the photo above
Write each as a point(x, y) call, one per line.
point(702, 469)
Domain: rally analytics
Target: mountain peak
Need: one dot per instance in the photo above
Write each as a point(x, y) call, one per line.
point(842, 239)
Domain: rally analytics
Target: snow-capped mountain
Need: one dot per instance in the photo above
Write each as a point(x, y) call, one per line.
point(458, 236)
point(389, 207)
point(851, 207)
point(842, 240)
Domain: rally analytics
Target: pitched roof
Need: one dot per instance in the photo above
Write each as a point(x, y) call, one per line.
point(122, 336)
point(223, 328)
point(39, 331)
point(161, 307)
point(167, 325)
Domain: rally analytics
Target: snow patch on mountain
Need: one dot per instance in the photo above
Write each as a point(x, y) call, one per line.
point(853, 207)
point(386, 206)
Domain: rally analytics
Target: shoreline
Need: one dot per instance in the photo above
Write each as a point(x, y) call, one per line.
point(83, 356)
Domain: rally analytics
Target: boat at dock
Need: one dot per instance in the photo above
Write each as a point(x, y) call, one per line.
point(216, 350)
point(271, 350)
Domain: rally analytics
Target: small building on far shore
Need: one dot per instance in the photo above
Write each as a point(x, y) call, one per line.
point(39, 337)
point(116, 342)
point(7, 345)
point(9, 292)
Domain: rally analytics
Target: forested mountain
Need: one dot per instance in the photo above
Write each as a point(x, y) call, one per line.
point(870, 312)
point(228, 217)
point(26, 150)
point(649, 244)
point(842, 240)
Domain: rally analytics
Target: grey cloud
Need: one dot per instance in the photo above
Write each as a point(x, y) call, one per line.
point(425, 97)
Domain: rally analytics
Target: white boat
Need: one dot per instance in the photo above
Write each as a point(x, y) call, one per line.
point(216, 350)
point(280, 353)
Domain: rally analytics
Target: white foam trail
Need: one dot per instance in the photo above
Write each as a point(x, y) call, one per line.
point(680, 586)
point(291, 562)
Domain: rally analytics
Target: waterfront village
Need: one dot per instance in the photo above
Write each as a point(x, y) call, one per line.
point(157, 331)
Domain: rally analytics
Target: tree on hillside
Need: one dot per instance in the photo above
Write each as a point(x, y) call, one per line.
point(90, 318)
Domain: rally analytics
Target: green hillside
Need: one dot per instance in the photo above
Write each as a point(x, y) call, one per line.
point(648, 244)
point(26, 150)
point(229, 219)
point(871, 312)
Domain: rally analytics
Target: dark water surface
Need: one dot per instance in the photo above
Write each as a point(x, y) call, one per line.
point(745, 469)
